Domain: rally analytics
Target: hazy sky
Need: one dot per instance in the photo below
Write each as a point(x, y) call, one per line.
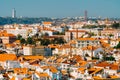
point(60, 8)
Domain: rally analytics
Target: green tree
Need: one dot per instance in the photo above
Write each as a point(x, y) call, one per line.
point(29, 40)
point(58, 41)
point(19, 37)
point(118, 46)
point(59, 33)
point(37, 35)
point(46, 34)
point(92, 34)
point(111, 58)
point(115, 25)
point(45, 42)
point(101, 26)
point(110, 35)
point(22, 41)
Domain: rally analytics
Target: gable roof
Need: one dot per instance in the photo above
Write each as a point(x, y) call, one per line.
point(110, 65)
point(47, 23)
point(21, 70)
point(90, 48)
point(33, 57)
point(42, 74)
point(5, 57)
point(13, 78)
point(87, 39)
point(53, 69)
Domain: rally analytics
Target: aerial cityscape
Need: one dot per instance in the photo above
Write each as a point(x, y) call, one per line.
point(59, 40)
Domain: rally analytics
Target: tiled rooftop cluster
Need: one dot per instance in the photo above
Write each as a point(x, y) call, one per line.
point(89, 54)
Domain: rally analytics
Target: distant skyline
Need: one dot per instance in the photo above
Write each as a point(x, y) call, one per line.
point(60, 8)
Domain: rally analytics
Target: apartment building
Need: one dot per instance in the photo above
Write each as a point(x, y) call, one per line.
point(83, 42)
point(74, 34)
point(114, 33)
point(37, 50)
point(7, 37)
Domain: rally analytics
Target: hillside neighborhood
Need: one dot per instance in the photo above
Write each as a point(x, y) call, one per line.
point(74, 50)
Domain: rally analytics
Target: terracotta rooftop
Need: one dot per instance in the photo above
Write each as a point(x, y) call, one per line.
point(103, 64)
point(5, 57)
point(47, 22)
point(33, 57)
point(81, 69)
point(76, 31)
point(87, 39)
point(21, 70)
point(42, 74)
point(53, 69)
point(90, 48)
point(110, 65)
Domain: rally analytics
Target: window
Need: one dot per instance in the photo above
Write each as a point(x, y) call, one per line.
point(78, 44)
point(82, 45)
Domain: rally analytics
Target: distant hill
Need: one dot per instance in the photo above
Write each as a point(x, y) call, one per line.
point(9, 20)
